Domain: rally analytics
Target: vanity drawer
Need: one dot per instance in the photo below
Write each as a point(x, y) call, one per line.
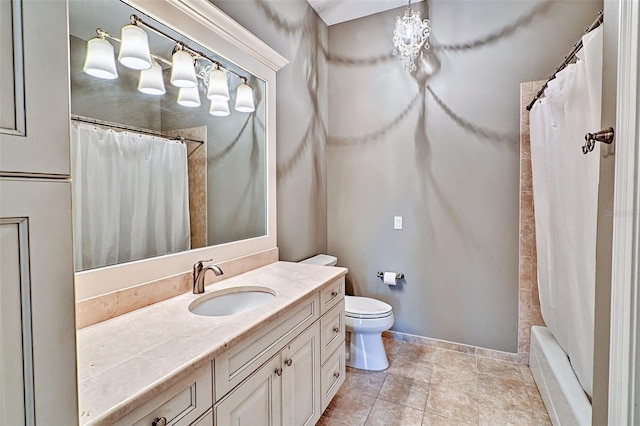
point(330, 295)
point(332, 332)
point(332, 376)
point(242, 359)
point(181, 404)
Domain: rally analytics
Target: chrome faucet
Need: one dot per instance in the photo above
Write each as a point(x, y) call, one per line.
point(199, 271)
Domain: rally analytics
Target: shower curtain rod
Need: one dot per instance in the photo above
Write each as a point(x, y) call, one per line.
point(567, 59)
point(132, 129)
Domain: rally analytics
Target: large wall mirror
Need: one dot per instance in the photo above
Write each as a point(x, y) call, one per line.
point(172, 133)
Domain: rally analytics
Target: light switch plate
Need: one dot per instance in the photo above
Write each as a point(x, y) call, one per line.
point(397, 222)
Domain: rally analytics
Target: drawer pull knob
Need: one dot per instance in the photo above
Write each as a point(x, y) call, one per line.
point(334, 293)
point(336, 374)
point(288, 362)
point(336, 329)
point(159, 421)
point(278, 371)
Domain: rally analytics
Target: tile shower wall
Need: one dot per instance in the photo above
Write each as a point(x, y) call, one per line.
point(197, 170)
point(529, 301)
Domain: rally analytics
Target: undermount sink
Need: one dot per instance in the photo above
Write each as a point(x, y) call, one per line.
point(232, 301)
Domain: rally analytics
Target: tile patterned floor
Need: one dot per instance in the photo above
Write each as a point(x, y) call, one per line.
point(427, 386)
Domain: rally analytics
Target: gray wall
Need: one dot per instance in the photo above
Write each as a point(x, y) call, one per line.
point(439, 148)
point(292, 28)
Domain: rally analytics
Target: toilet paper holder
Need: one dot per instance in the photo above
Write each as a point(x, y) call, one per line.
point(399, 275)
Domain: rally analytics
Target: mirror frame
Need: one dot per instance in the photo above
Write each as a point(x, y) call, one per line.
point(208, 26)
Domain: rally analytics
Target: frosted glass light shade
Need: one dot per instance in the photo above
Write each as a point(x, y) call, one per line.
point(183, 72)
point(219, 108)
point(244, 98)
point(218, 87)
point(189, 97)
point(134, 49)
point(100, 60)
point(151, 81)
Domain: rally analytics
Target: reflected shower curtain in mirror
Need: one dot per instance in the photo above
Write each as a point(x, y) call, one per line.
point(565, 195)
point(130, 196)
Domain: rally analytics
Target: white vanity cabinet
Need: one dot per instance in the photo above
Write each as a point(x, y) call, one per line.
point(286, 389)
point(278, 367)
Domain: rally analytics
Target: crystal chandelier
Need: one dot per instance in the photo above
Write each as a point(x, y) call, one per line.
point(409, 35)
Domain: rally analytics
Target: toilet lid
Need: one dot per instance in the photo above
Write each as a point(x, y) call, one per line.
point(365, 307)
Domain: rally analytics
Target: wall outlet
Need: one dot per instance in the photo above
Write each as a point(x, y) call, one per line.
point(397, 222)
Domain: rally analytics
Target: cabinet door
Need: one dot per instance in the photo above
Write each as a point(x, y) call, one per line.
point(301, 379)
point(257, 401)
point(37, 329)
point(34, 105)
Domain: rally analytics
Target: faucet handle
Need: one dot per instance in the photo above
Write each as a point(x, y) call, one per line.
point(198, 265)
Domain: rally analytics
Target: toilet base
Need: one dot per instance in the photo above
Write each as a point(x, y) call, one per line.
point(366, 352)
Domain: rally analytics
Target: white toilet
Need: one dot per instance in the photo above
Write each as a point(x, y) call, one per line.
point(365, 320)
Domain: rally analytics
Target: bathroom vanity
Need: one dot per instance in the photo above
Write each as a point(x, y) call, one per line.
point(280, 363)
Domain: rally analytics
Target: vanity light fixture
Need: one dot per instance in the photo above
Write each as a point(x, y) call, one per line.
point(409, 35)
point(151, 81)
point(187, 67)
point(99, 61)
point(219, 108)
point(189, 97)
point(134, 47)
point(244, 97)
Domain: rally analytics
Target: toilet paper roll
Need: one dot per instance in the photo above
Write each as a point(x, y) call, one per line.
point(389, 278)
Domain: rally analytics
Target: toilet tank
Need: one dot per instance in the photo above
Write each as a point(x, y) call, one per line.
point(321, 259)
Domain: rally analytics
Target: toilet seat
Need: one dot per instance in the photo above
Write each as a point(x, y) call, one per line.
point(366, 307)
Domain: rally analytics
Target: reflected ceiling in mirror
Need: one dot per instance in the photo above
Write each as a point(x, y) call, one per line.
point(139, 192)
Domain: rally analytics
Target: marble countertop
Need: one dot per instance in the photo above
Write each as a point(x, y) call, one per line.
point(127, 360)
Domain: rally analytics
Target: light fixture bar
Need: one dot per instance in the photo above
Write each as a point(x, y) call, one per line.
point(160, 58)
point(187, 67)
point(197, 54)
